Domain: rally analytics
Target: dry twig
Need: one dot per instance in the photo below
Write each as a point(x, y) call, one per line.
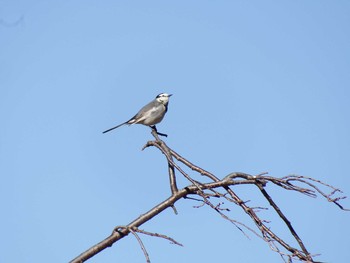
point(222, 188)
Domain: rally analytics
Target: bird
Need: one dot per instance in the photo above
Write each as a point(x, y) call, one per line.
point(150, 114)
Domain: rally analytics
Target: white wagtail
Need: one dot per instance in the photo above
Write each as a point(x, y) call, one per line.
point(151, 114)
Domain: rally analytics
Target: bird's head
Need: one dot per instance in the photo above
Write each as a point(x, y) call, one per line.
point(163, 98)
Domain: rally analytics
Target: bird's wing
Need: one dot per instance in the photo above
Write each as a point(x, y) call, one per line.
point(144, 113)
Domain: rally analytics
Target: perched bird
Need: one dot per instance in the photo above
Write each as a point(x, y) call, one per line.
point(150, 114)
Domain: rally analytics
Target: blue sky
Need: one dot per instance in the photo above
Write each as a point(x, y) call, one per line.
point(258, 86)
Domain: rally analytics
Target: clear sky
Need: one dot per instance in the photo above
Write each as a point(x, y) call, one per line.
point(258, 86)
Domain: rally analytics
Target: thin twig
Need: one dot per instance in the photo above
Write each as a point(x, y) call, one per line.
point(286, 221)
point(141, 245)
point(173, 241)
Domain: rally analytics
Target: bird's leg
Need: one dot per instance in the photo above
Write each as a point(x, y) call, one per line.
point(153, 127)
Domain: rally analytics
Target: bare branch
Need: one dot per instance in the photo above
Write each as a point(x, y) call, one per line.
point(221, 189)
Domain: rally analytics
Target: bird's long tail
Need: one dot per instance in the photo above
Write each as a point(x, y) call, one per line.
point(115, 127)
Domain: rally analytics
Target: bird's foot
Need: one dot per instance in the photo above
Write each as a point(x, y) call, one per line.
point(159, 133)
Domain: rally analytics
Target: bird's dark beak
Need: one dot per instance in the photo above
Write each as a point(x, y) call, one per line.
point(170, 95)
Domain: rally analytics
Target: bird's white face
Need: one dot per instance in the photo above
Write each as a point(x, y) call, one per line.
point(163, 98)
